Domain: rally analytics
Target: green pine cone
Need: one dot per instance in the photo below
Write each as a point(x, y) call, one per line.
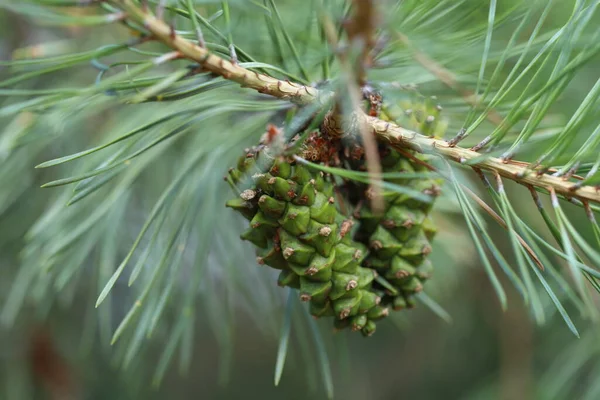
point(399, 239)
point(297, 229)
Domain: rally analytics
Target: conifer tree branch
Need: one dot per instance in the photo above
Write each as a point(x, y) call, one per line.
point(387, 131)
point(516, 171)
point(262, 83)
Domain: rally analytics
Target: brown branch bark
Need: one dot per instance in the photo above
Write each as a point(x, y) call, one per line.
point(517, 171)
point(262, 83)
point(384, 131)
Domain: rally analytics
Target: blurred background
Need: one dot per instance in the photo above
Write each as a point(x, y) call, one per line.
point(55, 345)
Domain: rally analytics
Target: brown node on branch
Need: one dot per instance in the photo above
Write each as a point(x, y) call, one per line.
point(375, 100)
point(320, 148)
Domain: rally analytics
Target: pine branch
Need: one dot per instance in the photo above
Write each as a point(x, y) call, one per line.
point(394, 134)
point(192, 198)
point(299, 94)
point(519, 172)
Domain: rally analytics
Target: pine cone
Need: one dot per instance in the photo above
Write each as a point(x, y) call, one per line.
point(297, 229)
point(399, 239)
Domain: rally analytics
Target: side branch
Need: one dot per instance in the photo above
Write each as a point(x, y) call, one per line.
point(386, 131)
point(262, 83)
point(518, 172)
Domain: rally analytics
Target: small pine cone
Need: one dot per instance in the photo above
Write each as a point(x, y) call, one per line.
point(297, 228)
point(399, 240)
